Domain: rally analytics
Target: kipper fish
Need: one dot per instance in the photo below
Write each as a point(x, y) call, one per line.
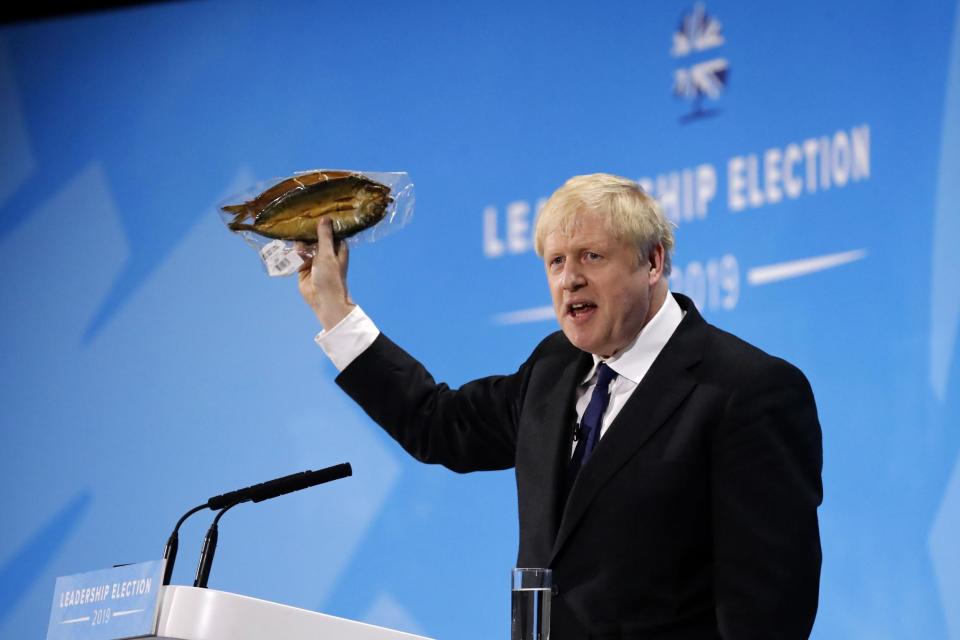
point(289, 210)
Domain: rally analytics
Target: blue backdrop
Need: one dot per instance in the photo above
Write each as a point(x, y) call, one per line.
point(809, 154)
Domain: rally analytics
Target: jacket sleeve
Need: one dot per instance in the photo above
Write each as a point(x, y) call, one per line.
point(468, 429)
point(767, 487)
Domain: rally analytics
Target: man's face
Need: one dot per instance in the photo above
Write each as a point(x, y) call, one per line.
point(601, 289)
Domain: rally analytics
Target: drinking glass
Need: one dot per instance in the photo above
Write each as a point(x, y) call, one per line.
point(531, 590)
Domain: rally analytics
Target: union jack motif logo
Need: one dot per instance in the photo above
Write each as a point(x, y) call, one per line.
point(699, 31)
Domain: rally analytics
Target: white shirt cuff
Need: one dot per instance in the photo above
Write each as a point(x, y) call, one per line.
point(348, 339)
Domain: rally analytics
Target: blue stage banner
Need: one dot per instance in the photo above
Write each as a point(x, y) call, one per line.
point(807, 152)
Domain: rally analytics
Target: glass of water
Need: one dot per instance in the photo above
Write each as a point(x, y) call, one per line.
point(530, 604)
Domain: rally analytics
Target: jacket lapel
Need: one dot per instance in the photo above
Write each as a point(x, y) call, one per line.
point(662, 390)
point(550, 448)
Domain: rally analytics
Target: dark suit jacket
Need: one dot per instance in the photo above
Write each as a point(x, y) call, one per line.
point(695, 517)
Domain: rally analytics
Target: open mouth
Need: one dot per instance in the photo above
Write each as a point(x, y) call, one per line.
point(578, 309)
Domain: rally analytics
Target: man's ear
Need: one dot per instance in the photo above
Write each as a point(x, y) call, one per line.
point(655, 262)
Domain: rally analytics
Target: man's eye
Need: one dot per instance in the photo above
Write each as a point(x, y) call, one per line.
point(592, 256)
point(556, 260)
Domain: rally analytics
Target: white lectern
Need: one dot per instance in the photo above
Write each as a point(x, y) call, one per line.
point(188, 613)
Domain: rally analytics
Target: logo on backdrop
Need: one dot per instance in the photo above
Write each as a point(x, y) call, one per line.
point(759, 179)
point(704, 79)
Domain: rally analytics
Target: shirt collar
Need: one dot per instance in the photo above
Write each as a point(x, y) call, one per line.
point(635, 360)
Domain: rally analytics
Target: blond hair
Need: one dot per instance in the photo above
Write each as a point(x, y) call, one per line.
point(631, 214)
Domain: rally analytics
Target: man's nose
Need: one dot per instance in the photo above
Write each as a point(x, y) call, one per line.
point(572, 278)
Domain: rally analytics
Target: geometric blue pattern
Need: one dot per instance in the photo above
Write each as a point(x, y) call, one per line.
point(31, 560)
point(944, 541)
point(944, 547)
point(16, 154)
point(945, 278)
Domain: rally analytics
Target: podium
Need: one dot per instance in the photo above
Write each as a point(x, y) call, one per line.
point(188, 613)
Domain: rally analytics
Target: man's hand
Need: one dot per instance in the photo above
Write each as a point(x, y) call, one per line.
point(323, 278)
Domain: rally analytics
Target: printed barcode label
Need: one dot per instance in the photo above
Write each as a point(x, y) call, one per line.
point(280, 259)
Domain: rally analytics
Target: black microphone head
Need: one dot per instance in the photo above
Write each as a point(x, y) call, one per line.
point(335, 472)
point(298, 481)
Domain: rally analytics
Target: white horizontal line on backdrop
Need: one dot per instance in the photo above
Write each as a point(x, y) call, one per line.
point(536, 314)
point(806, 266)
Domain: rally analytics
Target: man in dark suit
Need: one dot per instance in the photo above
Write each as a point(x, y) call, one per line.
point(668, 472)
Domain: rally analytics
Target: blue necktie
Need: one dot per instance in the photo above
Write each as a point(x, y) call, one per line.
point(591, 422)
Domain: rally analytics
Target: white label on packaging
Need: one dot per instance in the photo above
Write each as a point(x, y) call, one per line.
point(280, 259)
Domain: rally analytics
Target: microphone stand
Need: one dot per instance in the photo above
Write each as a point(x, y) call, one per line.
point(208, 550)
point(173, 544)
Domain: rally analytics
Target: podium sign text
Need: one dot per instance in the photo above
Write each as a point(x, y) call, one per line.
point(109, 604)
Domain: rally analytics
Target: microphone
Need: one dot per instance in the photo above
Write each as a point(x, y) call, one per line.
point(254, 493)
point(280, 486)
point(259, 493)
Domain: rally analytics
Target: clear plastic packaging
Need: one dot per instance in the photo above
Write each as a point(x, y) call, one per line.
point(273, 216)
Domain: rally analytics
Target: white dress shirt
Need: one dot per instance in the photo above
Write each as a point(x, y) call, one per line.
point(631, 364)
point(356, 332)
point(348, 338)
